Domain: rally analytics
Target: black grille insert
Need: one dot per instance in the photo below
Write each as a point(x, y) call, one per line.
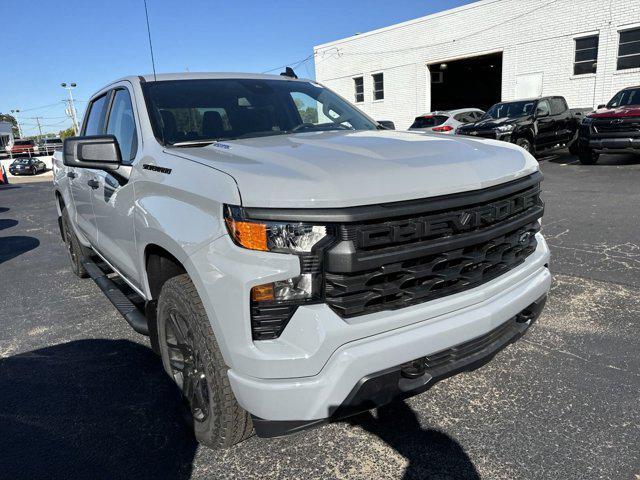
point(615, 125)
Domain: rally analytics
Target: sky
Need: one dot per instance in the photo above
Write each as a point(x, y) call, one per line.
point(93, 42)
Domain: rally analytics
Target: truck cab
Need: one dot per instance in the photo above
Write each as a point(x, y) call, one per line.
point(291, 260)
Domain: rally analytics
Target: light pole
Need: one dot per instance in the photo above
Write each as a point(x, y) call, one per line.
point(17, 122)
point(72, 108)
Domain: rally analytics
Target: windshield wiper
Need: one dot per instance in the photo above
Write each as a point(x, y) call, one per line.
point(194, 143)
point(321, 127)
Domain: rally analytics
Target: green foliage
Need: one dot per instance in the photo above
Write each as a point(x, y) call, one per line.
point(66, 133)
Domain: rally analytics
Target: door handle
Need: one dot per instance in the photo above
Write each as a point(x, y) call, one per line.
point(93, 184)
point(72, 175)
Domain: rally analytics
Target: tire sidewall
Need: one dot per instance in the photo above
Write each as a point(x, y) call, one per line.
point(525, 144)
point(170, 299)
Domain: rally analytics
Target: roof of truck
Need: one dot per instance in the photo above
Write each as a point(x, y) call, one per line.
point(208, 75)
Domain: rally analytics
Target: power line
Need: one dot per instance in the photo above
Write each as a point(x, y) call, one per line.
point(291, 64)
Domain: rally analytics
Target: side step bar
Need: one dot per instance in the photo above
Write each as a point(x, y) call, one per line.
point(127, 309)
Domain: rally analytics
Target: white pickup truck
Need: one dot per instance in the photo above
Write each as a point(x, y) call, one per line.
point(292, 260)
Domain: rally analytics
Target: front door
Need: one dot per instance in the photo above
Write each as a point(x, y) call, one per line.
point(546, 126)
point(80, 179)
point(113, 195)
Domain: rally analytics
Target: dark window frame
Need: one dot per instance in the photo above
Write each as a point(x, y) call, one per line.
point(107, 118)
point(591, 63)
point(358, 85)
point(378, 93)
point(621, 59)
point(104, 114)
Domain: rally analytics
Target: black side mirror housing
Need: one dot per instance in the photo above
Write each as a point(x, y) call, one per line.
point(602, 105)
point(387, 124)
point(540, 114)
point(94, 151)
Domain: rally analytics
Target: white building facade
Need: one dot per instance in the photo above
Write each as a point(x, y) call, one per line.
point(485, 52)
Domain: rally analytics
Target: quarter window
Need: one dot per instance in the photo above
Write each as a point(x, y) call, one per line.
point(586, 56)
point(123, 125)
point(94, 124)
point(629, 49)
point(378, 86)
point(359, 89)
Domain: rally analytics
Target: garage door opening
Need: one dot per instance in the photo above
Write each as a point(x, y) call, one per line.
point(468, 82)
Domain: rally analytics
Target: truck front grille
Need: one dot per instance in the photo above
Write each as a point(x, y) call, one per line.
point(395, 263)
point(616, 125)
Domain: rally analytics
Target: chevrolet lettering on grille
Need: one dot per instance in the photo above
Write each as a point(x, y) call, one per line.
point(450, 223)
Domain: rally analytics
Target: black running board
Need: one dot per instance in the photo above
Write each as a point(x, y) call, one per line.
point(127, 309)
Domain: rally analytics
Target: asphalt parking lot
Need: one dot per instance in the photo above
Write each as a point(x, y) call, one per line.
point(82, 395)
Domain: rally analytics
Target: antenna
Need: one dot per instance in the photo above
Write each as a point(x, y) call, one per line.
point(153, 62)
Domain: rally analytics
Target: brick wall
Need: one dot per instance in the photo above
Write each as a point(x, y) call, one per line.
point(535, 37)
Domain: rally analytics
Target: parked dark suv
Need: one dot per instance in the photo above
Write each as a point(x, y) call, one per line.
point(612, 128)
point(537, 124)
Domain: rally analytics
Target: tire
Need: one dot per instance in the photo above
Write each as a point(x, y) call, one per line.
point(526, 144)
point(77, 252)
point(574, 148)
point(184, 331)
point(588, 157)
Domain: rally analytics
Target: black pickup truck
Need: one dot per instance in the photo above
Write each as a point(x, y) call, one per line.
point(538, 124)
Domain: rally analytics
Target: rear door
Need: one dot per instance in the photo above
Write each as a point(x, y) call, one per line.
point(113, 196)
point(560, 111)
point(79, 178)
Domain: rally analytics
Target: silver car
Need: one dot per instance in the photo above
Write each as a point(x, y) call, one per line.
point(446, 121)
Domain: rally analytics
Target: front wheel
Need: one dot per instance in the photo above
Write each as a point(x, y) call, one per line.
point(526, 144)
point(191, 357)
point(588, 157)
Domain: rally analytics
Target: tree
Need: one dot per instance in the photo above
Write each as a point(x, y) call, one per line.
point(66, 133)
point(6, 117)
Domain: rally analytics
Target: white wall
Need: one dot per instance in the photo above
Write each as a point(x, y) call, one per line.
point(535, 36)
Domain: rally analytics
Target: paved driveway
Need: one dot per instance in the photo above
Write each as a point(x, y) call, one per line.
point(82, 395)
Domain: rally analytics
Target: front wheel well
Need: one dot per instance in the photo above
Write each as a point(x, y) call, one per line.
point(160, 266)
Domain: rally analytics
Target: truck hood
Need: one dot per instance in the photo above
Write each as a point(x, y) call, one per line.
point(627, 111)
point(342, 169)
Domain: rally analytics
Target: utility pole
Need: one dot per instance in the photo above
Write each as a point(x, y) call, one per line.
point(37, 119)
point(17, 122)
point(72, 108)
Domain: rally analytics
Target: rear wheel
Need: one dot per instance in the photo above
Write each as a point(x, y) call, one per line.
point(77, 252)
point(191, 357)
point(588, 157)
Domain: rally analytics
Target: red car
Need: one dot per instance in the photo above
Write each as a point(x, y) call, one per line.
point(23, 147)
point(612, 128)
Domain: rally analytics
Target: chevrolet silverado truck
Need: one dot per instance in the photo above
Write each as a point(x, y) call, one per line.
point(292, 261)
point(539, 125)
point(612, 128)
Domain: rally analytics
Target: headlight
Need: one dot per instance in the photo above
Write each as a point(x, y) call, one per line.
point(505, 128)
point(285, 237)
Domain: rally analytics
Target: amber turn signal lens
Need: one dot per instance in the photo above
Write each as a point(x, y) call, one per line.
point(248, 234)
point(263, 293)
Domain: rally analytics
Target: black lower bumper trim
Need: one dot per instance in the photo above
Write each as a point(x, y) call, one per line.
point(417, 376)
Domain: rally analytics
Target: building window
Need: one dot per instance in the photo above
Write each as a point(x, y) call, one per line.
point(586, 55)
point(359, 85)
point(629, 49)
point(378, 86)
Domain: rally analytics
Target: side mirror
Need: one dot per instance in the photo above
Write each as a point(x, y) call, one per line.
point(387, 124)
point(95, 151)
point(542, 113)
point(602, 105)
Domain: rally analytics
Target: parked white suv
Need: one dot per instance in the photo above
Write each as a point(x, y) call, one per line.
point(291, 261)
point(446, 121)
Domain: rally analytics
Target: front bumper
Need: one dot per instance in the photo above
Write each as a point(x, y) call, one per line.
point(427, 328)
point(629, 144)
point(417, 376)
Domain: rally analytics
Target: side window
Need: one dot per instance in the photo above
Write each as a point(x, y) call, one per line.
point(558, 106)
point(586, 55)
point(122, 125)
point(94, 124)
point(629, 49)
point(542, 108)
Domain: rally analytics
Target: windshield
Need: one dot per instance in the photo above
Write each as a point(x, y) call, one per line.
point(186, 112)
point(53, 140)
point(511, 110)
point(625, 97)
point(23, 161)
point(23, 142)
